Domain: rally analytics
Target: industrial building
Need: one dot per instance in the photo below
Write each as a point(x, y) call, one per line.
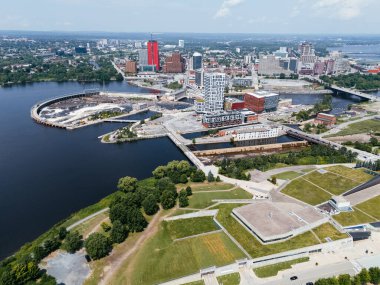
point(261, 101)
point(325, 119)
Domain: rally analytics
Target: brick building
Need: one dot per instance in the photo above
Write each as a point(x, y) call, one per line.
point(325, 119)
point(131, 67)
point(174, 64)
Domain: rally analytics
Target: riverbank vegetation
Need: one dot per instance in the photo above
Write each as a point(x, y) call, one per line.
point(354, 80)
point(105, 115)
point(323, 106)
point(372, 146)
point(363, 127)
point(315, 154)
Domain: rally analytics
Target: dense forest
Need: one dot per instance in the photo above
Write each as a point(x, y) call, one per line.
point(354, 80)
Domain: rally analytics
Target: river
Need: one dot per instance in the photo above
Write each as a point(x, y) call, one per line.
point(46, 173)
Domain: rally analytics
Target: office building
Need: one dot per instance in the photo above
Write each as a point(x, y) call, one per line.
point(293, 64)
point(131, 67)
point(174, 64)
point(196, 61)
point(242, 81)
point(214, 91)
point(221, 119)
point(261, 101)
point(319, 67)
point(143, 57)
point(282, 52)
point(247, 59)
point(199, 78)
point(270, 65)
point(181, 43)
point(153, 54)
point(307, 53)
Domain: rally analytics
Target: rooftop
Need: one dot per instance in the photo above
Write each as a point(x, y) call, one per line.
point(261, 94)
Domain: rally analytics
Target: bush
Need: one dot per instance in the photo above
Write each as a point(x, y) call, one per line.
point(98, 246)
point(198, 176)
point(73, 242)
point(150, 205)
point(106, 227)
point(217, 179)
point(210, 177)
point(183, 199)
point(189, 192)
point(119, 232)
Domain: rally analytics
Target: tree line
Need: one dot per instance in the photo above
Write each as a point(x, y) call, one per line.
point(364, 277)
point(354, 80)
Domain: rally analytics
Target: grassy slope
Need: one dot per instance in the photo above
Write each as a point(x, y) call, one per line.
point(272, 270)
point(333, 183)
point(229, 279)
point(358, 175)
point(328, 230)
point(306, 192)
point(353, 218)
point(288, 175)
point(204, 199)
point(371, 207)
point(360, 127)
point(189, 227)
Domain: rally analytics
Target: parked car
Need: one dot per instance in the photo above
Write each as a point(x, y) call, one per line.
point(293, 278)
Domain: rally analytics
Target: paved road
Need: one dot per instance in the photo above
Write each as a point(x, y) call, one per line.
point(311, 275)
point(342, 126)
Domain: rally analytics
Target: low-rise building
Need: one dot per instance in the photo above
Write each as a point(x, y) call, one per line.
point(254, 133)
point(325, 119)
point(233, 104)
point(131, 67)
point(261, 101)
point(221, 119)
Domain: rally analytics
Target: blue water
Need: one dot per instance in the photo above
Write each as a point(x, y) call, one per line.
point(46, 173)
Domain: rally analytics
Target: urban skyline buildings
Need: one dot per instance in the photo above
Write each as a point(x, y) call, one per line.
point(215, 84)
point(153, 54)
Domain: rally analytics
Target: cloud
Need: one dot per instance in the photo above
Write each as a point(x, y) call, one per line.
point(344, 9)
point(225, 8)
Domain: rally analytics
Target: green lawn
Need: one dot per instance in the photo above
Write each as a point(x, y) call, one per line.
point(160, 259)
point(353, 218)
point(288, 175)
point(229, 279)
point(272, 270)
point(306, 192)
point(371, 207)
point(331, 182)
point(182, 211)
point(189, 227)
point(358, 175)
point(360, 127)
point(204, 199)
point(250, 243)
point(328, 230)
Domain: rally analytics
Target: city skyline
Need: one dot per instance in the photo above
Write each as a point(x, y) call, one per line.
point(215, 16)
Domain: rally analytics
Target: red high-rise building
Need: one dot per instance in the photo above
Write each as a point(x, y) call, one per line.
point(153, 56)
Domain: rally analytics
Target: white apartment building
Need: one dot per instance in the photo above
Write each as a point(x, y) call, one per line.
point(214, 84)
point(255, 133)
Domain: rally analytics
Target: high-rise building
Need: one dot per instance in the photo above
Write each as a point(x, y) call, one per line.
point(143, 57)
point(214, 91)
point(196, 61)
point(181, 43)
point(307, 53)
point(153, 55)
point(270, 64)
point(130, 66)
point(174, 63)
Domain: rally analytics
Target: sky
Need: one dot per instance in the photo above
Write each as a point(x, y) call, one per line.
point(183, 16)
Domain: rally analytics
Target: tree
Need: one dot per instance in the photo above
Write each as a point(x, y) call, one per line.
point(25, 271)
point(62, 233)
point(73, 242)
point(210, 177)
point(119, 232)
point(217, 179)
point(344, 279)
point(183, 199)
point(51, 245)
point(159, 172)
point(364, 276)
point(150, 205)
point(168, 199)
point(374, 273)
point(189, 191)
point(274, 180)
point(198, 176)
point(127, 184)
point(98, 246)
point(119, 212)
point(183, 179)
point(106, 226)
point(165, 184)
point(282, 75)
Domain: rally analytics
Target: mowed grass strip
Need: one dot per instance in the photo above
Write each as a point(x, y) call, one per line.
point(287, 175)
point(229, 279)
point(272, 270)
point(204, 199)
point(190, 227)
point(250, 243)
point(335, 184)
point(371, 207)
point(358, 175)
point(355, 217)
point(306, 192)
point(212, 187)
point(200, 282)
point(328, 231)
point(161, 259)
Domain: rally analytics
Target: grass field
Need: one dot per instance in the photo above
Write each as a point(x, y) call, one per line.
point(288, 175)
point(204, 199)
point(211, 186)
point(335, 184)
point(371, 207)
point(229, 279)
point(161, 259)
point(200, 282)
point(182, 211)
point(358, 175)
point(306, 192)
point(251, 244)
point(360, 127)
point(328, 230)
point(353, 218)
point(272, 270)
point(189, 227)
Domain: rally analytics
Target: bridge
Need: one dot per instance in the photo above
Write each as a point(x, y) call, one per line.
point(354, 92)
point(362, 155)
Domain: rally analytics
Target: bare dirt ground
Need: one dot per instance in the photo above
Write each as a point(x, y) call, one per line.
point(363, 138)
